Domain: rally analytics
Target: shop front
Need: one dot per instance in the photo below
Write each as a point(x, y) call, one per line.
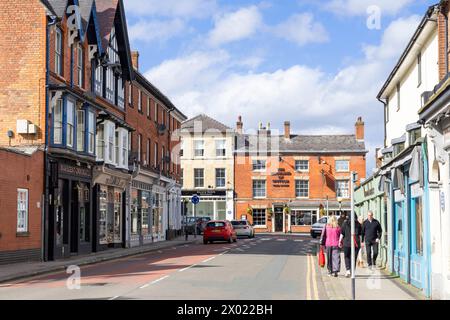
point(141, 222)
point(214, 204)
point(70, 209)
point(110, 211)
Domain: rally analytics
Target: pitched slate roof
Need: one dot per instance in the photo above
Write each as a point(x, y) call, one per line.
point(302, 144)
point(106, 12)
point(85, 12)
point(58, 6)
point(206, 122)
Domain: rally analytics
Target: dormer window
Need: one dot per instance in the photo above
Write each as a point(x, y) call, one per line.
point(398, 148)
point(414, 135)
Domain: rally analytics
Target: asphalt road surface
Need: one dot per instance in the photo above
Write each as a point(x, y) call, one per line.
point(268, 267)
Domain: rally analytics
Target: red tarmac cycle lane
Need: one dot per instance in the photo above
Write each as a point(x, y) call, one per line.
point(134, 270)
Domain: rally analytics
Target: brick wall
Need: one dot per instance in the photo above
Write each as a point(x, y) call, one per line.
point(20, 172)
point(22, 64)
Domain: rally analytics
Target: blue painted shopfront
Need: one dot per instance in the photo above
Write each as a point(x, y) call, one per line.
point(411, 238)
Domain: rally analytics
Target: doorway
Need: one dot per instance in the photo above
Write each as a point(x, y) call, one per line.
point(278, 219)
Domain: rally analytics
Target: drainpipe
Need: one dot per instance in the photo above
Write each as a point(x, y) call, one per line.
point(384, 112)
point(45, 216)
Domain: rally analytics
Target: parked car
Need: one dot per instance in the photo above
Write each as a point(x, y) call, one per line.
point(243, 228)
point(220, 230)
point(201, 224)
point(316, 228)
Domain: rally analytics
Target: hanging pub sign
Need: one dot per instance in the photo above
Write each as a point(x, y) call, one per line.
point(282, 181)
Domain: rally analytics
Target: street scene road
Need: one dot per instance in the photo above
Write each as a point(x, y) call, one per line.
point(263, 268)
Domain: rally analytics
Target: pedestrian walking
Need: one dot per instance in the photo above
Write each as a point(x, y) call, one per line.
point(371, 235)
point(330, 239)
point(346, 242)
point(342, 218)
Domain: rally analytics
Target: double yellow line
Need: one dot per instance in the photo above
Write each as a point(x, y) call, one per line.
point(312, 291)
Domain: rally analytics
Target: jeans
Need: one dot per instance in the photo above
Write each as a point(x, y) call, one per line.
point(348, 257)
point(372, 248)
point(333, 259)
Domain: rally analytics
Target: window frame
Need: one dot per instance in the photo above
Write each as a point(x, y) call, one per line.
point(196, 178)
point(259, 165)
point(300, 190)
point(80, 65)
point(255, 216)
point(222, 178)
point(202, 149)
point(22, 214)
point(70, 126)
point(81, 130)
point(298, 165)
point(221, 152)
point(257, 192)
point(58, 52)
point(59, 104)
point(342, 170)
point(339, 193)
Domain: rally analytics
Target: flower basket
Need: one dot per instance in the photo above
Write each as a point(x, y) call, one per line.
point(249, 211)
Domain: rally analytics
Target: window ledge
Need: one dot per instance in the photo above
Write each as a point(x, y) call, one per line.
point(22, 234)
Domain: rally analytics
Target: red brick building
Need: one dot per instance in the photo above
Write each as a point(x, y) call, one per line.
point(287, 182)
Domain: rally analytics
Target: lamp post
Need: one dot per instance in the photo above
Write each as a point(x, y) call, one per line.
point(352, 217)
point(185, 202)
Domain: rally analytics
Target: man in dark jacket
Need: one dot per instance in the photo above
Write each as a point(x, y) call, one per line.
point(346, 242)
point(342, 219)
point(371, 235)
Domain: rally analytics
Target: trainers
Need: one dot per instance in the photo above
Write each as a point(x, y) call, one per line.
point(348, 274)
point(335, 274)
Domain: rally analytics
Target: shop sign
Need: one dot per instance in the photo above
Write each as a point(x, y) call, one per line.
point(116, 182)
point(74, 171)
point(282, 181)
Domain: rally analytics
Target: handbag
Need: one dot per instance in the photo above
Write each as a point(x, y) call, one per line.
point(321, 257)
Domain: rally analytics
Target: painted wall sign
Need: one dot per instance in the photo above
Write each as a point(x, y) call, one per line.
point(281, 182)
point(74, 171)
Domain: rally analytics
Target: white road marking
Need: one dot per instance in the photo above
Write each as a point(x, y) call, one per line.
point(209, 259)
point(184, 269)
point(266, 239)
point(113, 298)
point(153, 282)
point(281, 239)
point(224, 253)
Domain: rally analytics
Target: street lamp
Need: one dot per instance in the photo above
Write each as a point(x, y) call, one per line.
point(352, 217)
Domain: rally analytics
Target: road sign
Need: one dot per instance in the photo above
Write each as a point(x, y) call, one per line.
point(195, 199)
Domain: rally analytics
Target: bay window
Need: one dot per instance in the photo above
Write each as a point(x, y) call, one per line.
point(70, 123)
point(91, 132)
point(124, 157)
point(101, 142)
point(58, 122)
point(81, 130)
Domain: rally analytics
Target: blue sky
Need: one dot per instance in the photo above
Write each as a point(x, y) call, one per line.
point(315, 63)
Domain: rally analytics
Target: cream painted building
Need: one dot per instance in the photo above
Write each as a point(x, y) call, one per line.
point(207, 167)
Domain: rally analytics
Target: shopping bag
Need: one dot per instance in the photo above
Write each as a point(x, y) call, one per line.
point(321, 257)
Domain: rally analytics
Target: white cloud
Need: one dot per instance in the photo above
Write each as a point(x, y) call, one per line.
point(235, 26)
point(171, 8)
point(302, 29)
point(207, 82)
point(159, 30)
point(359, 7)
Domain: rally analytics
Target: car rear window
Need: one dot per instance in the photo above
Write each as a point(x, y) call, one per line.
point(215, 224)
point(239, 223)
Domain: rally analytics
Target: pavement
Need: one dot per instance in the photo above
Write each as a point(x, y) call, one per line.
point(16, 271)
point(369, 285)
point(272, 267)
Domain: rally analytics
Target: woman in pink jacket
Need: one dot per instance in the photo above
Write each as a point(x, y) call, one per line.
point(330, 239)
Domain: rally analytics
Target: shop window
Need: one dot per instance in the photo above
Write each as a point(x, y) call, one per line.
point(302, 165)
point(135, 207)
point(220, 178)
point(399, 226)
point(343, 189)
point(103, 209)
point(259, 188)
point(22, 210)
point(259, 217)
point(146, 205)
point(342, 166)
point(302, 188)
point(117, 216)
point(303, 218)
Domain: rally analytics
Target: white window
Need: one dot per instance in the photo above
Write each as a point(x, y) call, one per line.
point(58, 122)
point(80, 68)
point(120, 93)
point(259, 165)
point(117, 143)
point(302, 165)
point(99, 80)
point(259, 217)
point(199, 178)
point(124, 145)
point(101, 146)
point(342, 166)
point(220, 148)
point(199, 148)
point(70, 123)
point(342, 189)
point(259, 188)
point(22, 210)
point(140, 101)
point(58, 52)
point(110, 142)
point(220, 178)
point(139, 147)
point(302, 188)
point(81, 130)
point(91, 132)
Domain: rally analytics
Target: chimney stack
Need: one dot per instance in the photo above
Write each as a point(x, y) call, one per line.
point(378, 160)
point(359, 128)
point(287, 130)
point(135, 59)
point(239, 125)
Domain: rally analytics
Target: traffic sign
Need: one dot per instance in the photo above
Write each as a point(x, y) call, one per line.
point(195, 199)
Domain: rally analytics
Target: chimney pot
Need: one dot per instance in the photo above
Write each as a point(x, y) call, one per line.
point(239, 125)
point(135, 59)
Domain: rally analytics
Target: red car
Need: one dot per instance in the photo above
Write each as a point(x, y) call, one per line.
point(219, 231)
